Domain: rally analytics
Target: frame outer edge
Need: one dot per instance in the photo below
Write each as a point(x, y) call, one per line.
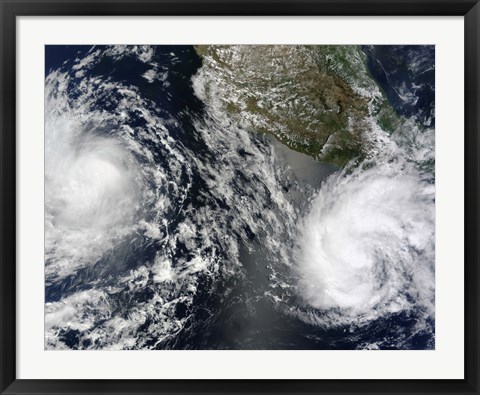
point(8, 192)
point(8, 11)
point(242, 7)
point(472, 171)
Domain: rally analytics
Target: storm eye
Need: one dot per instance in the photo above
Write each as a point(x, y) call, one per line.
point(95, 188)
point(91, 187)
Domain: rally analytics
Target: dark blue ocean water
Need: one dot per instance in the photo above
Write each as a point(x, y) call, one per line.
point(406, 73)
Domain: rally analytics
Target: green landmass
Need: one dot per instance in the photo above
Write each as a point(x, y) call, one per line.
point(315, 99)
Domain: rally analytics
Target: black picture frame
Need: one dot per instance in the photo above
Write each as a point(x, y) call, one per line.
point(10, 9)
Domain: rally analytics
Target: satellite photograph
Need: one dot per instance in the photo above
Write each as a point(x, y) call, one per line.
point(239, 197)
